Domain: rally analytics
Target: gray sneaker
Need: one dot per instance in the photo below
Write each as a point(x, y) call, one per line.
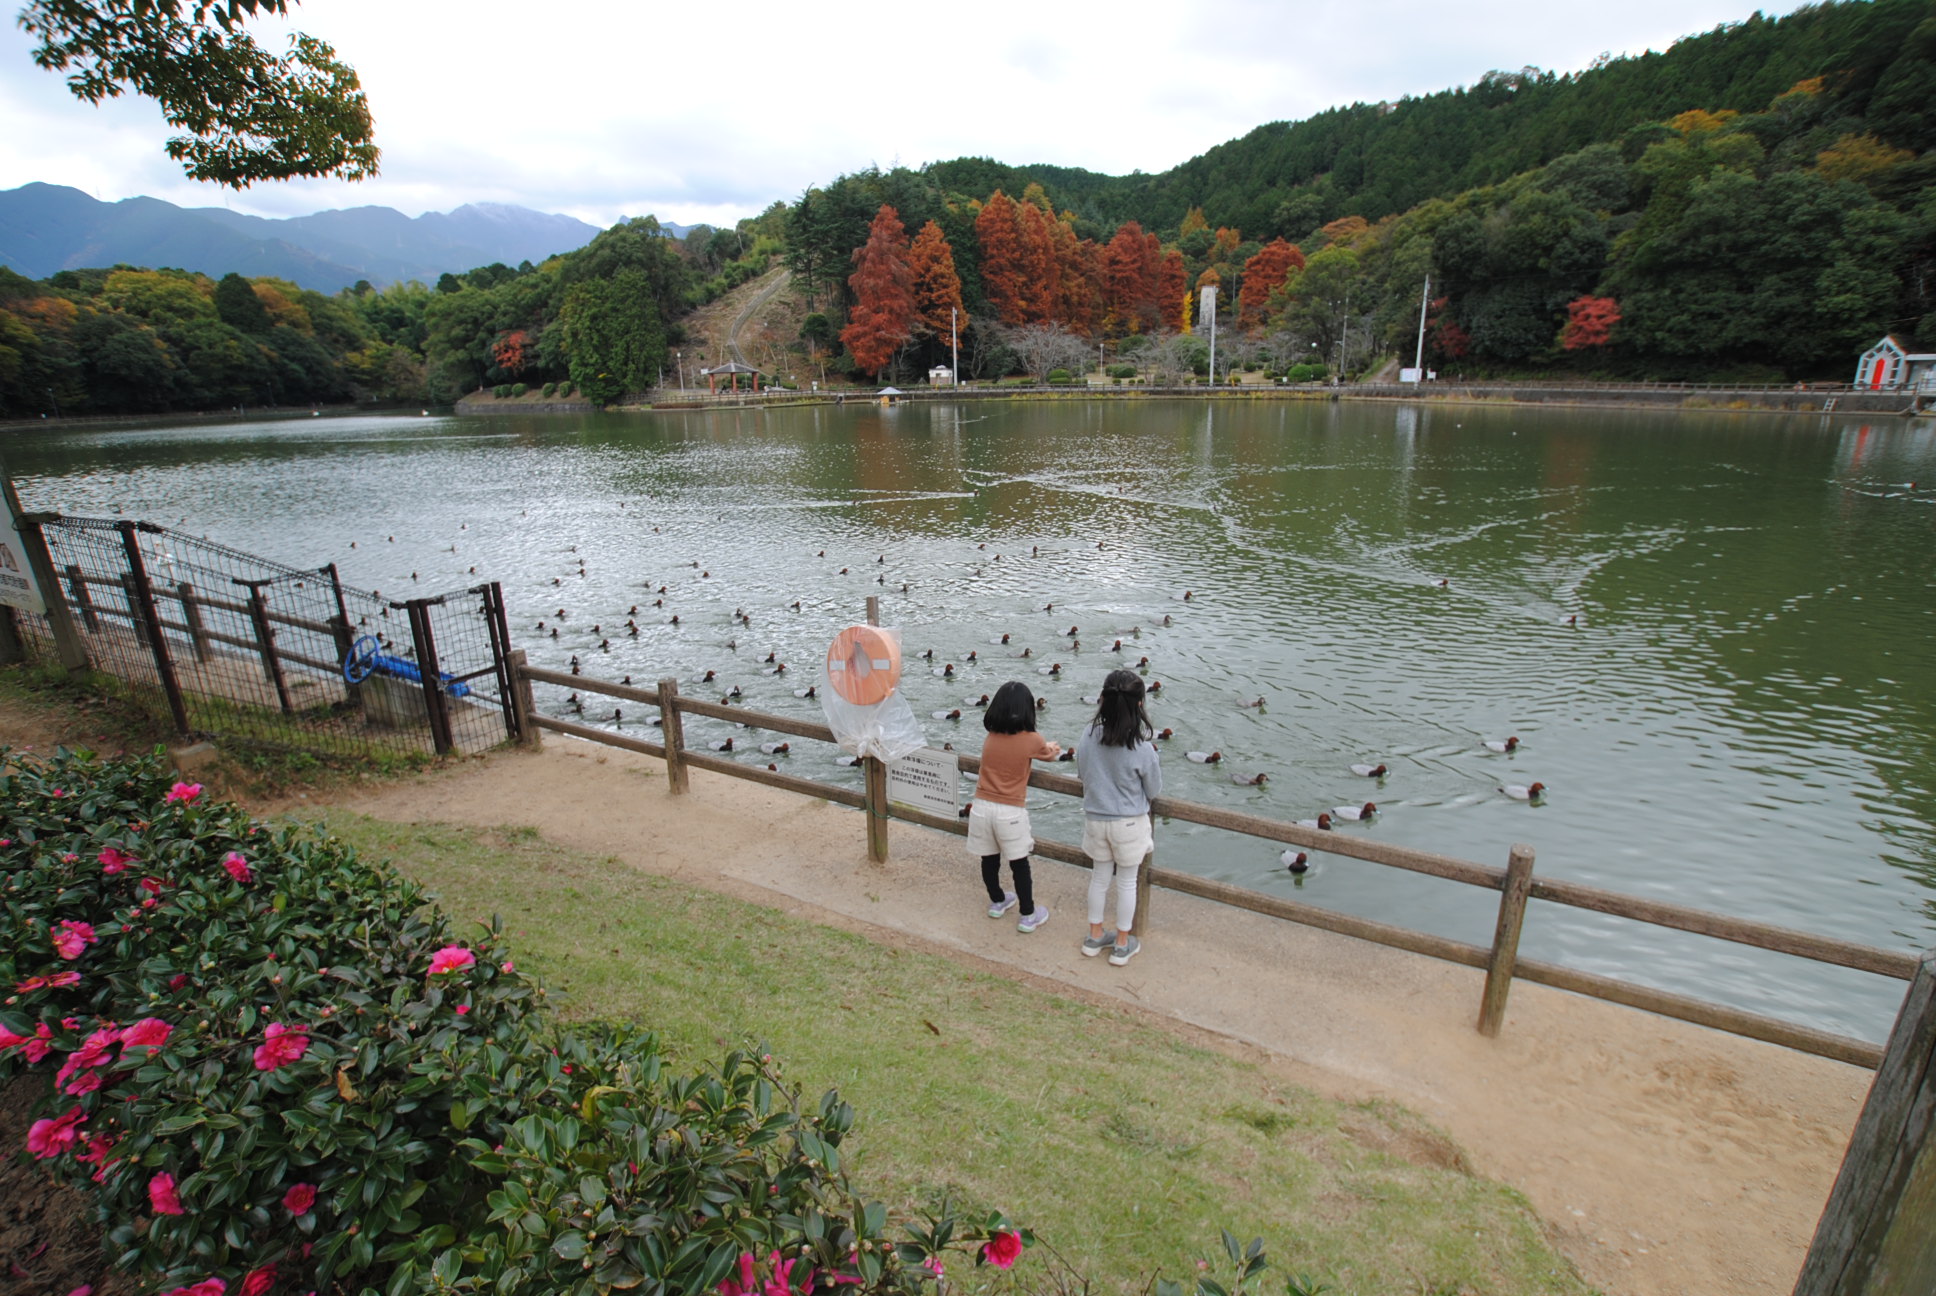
point(1031, 921)
point(1122, 954)
point(1002, 905)
point(1094, 945)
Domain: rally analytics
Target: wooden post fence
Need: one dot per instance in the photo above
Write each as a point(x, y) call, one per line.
point(68, 645)
point(675, 736)
point(265, 640)
point(142, 603)
point(1505, 939)
point(1877, 1236)
point(875, 776)
point(192, 618)
point(77, 583)
point(529, 735)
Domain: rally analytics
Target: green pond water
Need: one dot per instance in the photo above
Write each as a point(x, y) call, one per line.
point(1711, 633)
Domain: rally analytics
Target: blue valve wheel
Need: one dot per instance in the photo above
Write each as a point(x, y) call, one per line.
point(361, 659)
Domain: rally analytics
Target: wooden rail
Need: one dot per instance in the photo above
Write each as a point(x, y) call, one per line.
point(1515, 883)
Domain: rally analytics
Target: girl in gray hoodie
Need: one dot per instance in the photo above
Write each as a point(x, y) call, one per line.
point(1116, 760)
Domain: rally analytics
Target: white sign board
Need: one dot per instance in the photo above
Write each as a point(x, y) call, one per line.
point(926, 780)
point(17, 587)
point(1409, 375)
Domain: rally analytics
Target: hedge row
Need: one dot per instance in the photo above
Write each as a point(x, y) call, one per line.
point(278, 1068)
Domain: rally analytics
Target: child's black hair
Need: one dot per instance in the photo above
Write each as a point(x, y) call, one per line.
point(1011, 710)
point(1119, 712)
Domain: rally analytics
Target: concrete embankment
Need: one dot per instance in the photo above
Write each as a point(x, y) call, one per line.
point(1667, 1159)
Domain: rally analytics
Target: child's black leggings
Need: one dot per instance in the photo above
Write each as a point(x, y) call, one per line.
point(991, 876)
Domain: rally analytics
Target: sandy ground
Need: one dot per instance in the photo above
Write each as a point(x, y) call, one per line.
point(1666, 1158)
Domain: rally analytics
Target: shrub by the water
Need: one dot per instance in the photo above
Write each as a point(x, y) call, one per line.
point(277, 1066)
point(519, 389)
point(1059, 377)
point(502, 391)
point(550, 387)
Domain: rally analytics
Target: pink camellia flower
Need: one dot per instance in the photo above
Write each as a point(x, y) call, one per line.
point(178, 980)
point(40, 1046)
point(162, 1196)
point(152, 885)
point(49, 1138)
point(114, 859)
point(449, 959)
point(84, 1083)
point(61, 980)
point(95, 1050)
point(238, 867)
point(72, 936)
point(206, 1287)
point(280, 1046)
point(149, 1033)
point(1003, 1249)
point(188, 793)
point(508, 966)
point(299, 1199)
point(462, 1009)
point(259, 1281)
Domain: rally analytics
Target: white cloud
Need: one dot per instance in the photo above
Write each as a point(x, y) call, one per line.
point(616, 109)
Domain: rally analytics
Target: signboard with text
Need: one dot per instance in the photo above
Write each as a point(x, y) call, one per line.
point(17, 587)
point(927, 780)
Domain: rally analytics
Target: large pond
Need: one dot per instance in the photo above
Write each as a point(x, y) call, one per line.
point(1711, 633)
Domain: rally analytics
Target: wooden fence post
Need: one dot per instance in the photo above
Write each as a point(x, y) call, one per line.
point(1877, 1236)
point(1145, 884)
point(529, 735)
point(192, 618)
point(875, 776)
point(1505, 939)
point(265, 640)
point(435, 709)
point(77, 583)
point(674, 726)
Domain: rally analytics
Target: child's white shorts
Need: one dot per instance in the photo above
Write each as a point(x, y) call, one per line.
point(997, 829)
point(1125, 841)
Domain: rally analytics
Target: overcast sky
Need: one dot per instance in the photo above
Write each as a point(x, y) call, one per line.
point(605, 109)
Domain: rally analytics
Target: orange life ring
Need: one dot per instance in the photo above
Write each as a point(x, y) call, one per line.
point(864, 664)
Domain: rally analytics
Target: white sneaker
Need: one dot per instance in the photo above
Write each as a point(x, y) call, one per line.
point(1125, 952)
point(1031, 921)
point(1003, 905)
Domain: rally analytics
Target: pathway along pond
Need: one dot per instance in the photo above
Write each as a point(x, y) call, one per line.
point(1742, 717)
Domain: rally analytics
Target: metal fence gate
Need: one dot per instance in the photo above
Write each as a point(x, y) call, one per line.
point(224, 644)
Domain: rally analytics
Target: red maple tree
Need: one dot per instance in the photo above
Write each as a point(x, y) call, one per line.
point(1264, 274)
point(883, 316)
point(508, 351)
point(1589, 323)
point(1173, 294)
point(1131, 281)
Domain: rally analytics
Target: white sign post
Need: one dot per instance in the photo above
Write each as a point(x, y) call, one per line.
point(927, 780)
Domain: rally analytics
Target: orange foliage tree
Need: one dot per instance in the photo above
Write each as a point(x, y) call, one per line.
point(933, 281)
point(1078, 266)
point(1131, 282)
point(509, 351)
point(883, 316)
point(1173, 292)
point(1264, 274)
point(1589, 323)
point(1040, 296)
point(1002, 268)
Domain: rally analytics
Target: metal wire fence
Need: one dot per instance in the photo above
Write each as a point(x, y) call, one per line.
point(225, 644)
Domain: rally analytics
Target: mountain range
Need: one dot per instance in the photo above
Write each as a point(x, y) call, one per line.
point(46, 228)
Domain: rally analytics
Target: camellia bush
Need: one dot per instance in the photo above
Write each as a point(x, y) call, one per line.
point(278, 1068)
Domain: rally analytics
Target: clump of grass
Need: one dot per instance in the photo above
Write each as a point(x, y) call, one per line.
point(1121, 1143)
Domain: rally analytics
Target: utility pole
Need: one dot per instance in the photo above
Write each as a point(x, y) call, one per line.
point(954, 343)
point(1424, 296)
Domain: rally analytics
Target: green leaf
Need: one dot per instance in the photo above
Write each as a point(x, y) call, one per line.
point(570, 1246)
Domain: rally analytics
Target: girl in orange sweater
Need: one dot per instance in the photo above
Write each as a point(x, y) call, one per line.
point(998, 819)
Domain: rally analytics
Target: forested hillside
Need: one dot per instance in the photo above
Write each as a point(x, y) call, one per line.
point(130, 340)
point(1756, 201)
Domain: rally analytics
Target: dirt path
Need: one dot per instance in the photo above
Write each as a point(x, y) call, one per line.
point(1667, 1159)
point(766, 295)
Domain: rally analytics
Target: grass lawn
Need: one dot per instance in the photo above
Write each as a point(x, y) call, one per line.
point(1120, 1144)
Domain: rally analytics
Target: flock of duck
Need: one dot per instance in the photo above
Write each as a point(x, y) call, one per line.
point(656, 605)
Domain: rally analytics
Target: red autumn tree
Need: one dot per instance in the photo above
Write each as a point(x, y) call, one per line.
point(1002, 270)
point(1130, 282)
point(1078, 272)
point(1589, 323)
point(1039, 288)
point(1264, 274)
point(883, 316)
point(509, 351)
point(933, 281)
point(1173, 293)
point(1449, 341)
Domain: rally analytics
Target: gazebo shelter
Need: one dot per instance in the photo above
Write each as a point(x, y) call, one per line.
point(734, 369)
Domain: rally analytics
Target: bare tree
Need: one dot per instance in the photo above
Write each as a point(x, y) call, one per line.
point(1166, 357)
point(1043, 347)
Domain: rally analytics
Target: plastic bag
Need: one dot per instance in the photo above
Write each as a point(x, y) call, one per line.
point(885, 729)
